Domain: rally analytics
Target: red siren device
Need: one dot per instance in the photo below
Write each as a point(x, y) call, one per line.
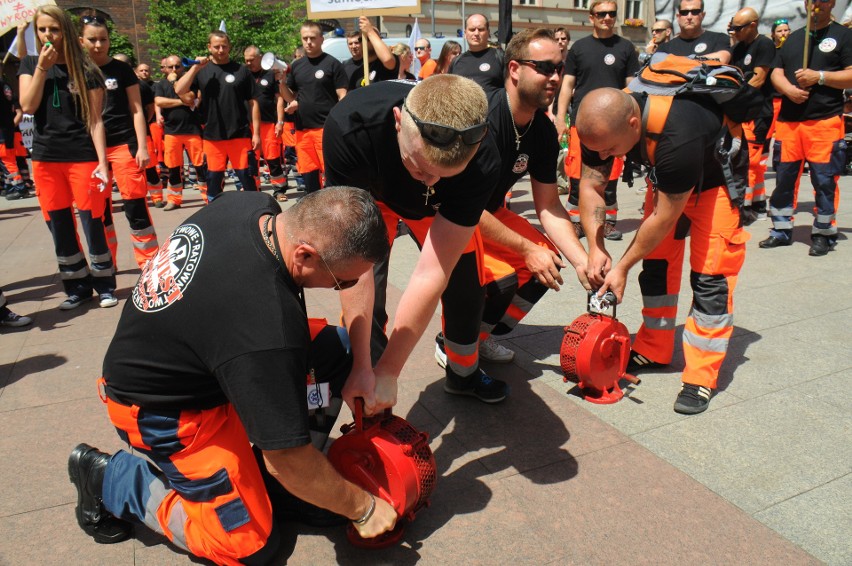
point(391, 459)
point(595, 351)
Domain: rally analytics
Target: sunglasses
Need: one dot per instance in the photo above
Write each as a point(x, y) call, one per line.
point(546, 68)
point(693, 12)
point(93, 20)
point(604, 13)
point(421, 48)
point(661, 30)
point(172, 66)
point(338, 284)
point(734, 29)
point(781, 21)
point(442, 136)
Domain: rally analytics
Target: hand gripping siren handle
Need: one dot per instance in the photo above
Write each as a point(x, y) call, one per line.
point(366, 477)
point(269, 62)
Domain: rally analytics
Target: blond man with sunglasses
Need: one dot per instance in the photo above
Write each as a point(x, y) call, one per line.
point(432, 167)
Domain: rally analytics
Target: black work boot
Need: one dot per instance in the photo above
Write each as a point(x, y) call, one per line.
point(86, 468)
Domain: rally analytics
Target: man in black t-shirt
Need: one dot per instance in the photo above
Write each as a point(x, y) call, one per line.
point(146, 91)
point(692, 39)
point(688, 196)
point(356, 63)
point(754, 54)
point(316, 82)
point(435, 171)
point(602, 59)
point(181, 131)
point(271, 122)
point(810, 127)
point(480, 63)
point(10, 114)
point(384, 65)
point(237, 371)
point(226, 89)
point(520, 262)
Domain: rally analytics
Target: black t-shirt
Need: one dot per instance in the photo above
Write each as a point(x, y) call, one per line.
point(59, 132)
point(685, 153)
point(8, 103)
point(181, 120)
point(315, 81)
point(225, 90)
point(265, 91)
point(146, 92)
point(707, 42)
point(485, 68)
point(538, 150)
point(352, 67)
point(758, 53)
point(233, 320)
point(378, 73)
point(361, 150)
point(830, 50)
point(599, 63)
point(118, 121)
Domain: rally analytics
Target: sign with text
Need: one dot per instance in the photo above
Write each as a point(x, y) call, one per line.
point(353, 8)
point(14, 12)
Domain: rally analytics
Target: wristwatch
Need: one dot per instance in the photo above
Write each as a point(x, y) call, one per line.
point(821, 81)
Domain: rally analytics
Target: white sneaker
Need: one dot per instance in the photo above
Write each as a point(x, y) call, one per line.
point(107, 300)
point(491, 350)
point(440, 354)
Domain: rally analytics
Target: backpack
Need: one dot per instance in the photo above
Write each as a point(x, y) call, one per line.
point(665, 76)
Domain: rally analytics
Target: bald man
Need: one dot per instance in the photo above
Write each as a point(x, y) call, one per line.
point(753, 53)
point(609, 124)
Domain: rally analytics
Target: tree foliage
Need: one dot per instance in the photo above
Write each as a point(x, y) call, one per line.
point(181, 26)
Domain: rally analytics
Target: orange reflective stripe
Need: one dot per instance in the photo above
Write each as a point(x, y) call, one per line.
point(315, 325)
point(468, 361)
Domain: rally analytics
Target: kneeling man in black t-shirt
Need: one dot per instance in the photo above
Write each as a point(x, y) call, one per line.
point(226, 292)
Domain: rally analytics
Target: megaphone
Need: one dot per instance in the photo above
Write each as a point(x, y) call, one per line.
point(187, 62)
point(268, 61)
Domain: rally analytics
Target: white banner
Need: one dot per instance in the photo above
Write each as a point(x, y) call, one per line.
point(14, 12)
point(323, 8)
point(26, 127)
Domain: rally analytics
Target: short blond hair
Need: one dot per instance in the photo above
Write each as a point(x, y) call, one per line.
point(428, 101)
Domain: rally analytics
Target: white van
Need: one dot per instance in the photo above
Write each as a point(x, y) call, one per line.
point(336, 46)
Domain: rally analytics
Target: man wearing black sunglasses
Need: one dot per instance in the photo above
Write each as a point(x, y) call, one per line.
point(754, 53)
point(480, 63)
point(434, 170)
point(692, 39)
point(602, 59)
point(810, 126)
point(521, 263)
point(661, 32)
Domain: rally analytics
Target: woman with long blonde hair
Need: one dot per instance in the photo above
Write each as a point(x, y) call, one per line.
point(64, 90)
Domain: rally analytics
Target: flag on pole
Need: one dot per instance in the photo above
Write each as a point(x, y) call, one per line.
point(29, 39)
point(415, 35)
point(222, 27)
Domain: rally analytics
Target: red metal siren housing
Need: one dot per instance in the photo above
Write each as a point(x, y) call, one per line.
point(594, 354)
point(391, 459)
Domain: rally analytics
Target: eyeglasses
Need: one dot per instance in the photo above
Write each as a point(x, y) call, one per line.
point(442, 136)
point(173, 66)
point(734, 29)
point(546, 68)
point(604, 13)
point(781, 22)
point(692, 12)
point(421, 48)
point(661, 30)
point(338, 284)
point(93, 20)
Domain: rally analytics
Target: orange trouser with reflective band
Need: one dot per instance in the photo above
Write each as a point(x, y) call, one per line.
point(510, 288)
point(758, 155)
point(717, 253)
point(309, 150)
point(573, 168)
point(462, 300)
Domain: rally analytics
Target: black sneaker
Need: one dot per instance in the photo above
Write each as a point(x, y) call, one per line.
point(86, 468)
point(72, 302)
point(13, 320)
point(692, 399)
point(638, 362)
point(819, 245)
point(478, 385)
point(610, 233)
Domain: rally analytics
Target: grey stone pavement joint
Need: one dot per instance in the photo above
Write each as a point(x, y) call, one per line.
point(763, 477)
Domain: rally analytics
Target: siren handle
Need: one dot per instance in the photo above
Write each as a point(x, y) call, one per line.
point(358, 413)
point(601, 303)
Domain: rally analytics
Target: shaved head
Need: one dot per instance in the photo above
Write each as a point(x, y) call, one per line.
point(604, 112)
point(745, 16)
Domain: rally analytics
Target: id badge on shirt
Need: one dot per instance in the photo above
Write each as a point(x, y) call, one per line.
point(319, 396)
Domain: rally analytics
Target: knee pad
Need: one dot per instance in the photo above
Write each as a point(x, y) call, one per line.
point(709, 293)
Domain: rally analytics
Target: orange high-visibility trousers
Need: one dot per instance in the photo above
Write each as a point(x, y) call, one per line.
point(717, 252)
point(573, 163)
point(511, 291)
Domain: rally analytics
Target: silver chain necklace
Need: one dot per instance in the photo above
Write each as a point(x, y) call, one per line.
point(518, 136)
point(266, 233)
